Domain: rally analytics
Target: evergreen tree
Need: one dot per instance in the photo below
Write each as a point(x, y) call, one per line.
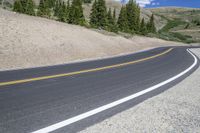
point(115, 22)
point(122, 20)
point(24, 3)
point(67, 11)
point(131, 9)
point(137, 19)
point(51, 3)
point(76, 13)
point(109, 20)
point(24, 6)
point(62, 12)
point(143, 29)
point(114, 14)
point(87, 1)
point(18, 6)
point(93, 15)
point(29, 9)
point(57, 7)
point(43, 9)
point(151, 25)
point(98, 16)
point(111, 26)
point(101, 14)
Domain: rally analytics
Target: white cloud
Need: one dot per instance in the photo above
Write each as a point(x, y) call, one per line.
point(143, 3)
point(155, 3)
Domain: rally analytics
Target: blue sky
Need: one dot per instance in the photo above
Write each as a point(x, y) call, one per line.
point(162, 3)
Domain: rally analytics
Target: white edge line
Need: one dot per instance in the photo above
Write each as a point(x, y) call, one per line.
point(113, 104)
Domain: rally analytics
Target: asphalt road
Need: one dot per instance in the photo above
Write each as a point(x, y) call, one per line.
point(36, 103)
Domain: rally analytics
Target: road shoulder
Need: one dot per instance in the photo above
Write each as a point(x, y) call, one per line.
point(175, 110)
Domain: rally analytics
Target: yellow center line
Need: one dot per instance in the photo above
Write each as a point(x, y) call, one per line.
point(82, 71)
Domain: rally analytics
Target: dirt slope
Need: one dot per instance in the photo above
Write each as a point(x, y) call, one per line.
point(28, 41)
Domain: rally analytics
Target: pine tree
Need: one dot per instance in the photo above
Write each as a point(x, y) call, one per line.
point(101, 14)
point(18, 6)
point(137, 19)
point(93, 15)
point(29, 9)
point(43, 9)
point(115, 22)
point(151, 25)
point(111, 26)
point(143, 29)
point(24, 6)
point(133, 16)
point(62, 12)
point(109, 20)
point(51, 3)
point(76, 13)
point(57, 7)
point(98, 16)
point(131, 9)
point(87, 1)
point(114, 14)
point(67, 11)
point(122, 20)
point(24, 2)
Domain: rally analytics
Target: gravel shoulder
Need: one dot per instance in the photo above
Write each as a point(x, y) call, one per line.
point(175, 110)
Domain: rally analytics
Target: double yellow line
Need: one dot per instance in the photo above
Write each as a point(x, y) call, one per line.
point(82, 71)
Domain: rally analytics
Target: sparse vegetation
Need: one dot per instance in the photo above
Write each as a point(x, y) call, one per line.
point(171, 24)
point(182, 24)
point(196, 22)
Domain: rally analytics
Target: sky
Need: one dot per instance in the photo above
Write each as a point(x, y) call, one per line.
point(163, 3)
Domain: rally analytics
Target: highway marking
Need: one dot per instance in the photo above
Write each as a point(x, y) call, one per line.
point(113, 104)
point(82, 71)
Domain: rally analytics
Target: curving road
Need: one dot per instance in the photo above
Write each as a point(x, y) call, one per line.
point(68, 98)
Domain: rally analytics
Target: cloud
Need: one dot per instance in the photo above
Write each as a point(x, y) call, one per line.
point(143, 3)
point(155, 3)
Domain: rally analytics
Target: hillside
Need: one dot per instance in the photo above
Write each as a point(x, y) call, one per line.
point(183, 23)
point(160, 22)
point(28, 41)
point(145, 13)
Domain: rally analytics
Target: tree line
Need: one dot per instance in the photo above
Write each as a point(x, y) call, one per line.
point(101, 17)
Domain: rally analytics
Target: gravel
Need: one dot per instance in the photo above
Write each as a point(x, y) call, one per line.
point(175, 110)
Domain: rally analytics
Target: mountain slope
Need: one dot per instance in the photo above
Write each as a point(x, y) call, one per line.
point(183, 23)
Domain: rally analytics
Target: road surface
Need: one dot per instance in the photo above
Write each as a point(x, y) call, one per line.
point(68, 98)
